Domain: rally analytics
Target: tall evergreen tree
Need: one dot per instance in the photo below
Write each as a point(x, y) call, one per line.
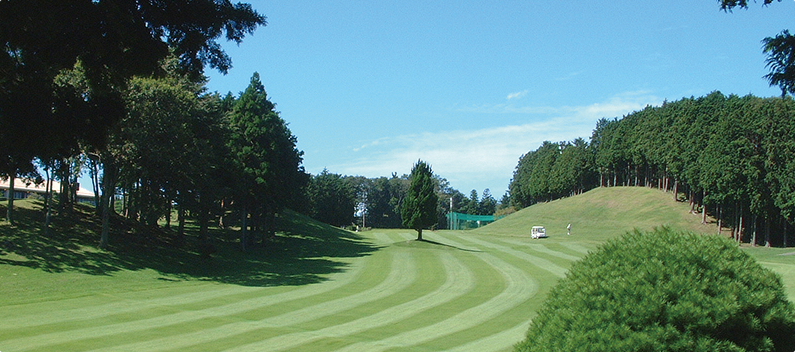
point(487, 205)
point(419, 207)
point(267, 162)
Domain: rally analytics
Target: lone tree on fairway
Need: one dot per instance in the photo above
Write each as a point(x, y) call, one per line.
point(665, 291)
point(419, 207)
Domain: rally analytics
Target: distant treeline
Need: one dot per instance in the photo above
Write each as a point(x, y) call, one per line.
point(375, 202)
point(732, 157)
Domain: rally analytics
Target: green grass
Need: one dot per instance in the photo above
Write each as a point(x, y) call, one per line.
point(314, 288)
point(602, 214)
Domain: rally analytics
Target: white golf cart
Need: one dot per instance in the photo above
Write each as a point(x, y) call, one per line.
point(538, 232)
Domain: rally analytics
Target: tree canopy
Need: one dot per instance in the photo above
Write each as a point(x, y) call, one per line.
point(108, 41)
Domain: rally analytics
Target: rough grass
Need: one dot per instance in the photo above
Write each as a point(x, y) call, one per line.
point(314, 287)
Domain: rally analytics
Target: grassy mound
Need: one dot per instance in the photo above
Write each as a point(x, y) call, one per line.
point(603, 213)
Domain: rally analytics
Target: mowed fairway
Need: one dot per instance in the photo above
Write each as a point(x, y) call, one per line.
point(457, 291)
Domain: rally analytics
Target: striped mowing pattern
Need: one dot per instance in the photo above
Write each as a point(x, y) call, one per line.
point(459, 292)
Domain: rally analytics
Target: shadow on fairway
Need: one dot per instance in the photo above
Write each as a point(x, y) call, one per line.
point(448, 245)
point(303, 253)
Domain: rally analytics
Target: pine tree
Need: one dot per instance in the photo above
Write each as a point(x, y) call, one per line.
point(419, 208)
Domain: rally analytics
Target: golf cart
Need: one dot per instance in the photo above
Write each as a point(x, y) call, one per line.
point(538, 232)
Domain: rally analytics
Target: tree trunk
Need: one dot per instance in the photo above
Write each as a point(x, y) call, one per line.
point(269, 225)
point(47, 202)
point(740, 227)
point(627, 176)
point(704, 208)
point(204, 237)
point(419, 234)
point(95, 184)
point(75, 185)
point(181, 223)
point(113, 204)
point(10, 193)
point(106, 201)
point(125, 202)
point(167, 225)
point(244, 228)
point(735, 222)
point(63, 205)
point(222, 218)
point(103, 241)
point(753, 236)
point(767, 232)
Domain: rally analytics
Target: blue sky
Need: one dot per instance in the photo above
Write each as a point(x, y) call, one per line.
point(370, 87)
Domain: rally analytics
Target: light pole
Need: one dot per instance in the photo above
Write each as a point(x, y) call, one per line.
point(451, 213)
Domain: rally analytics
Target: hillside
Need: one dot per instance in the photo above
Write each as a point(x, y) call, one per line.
point(603, 213)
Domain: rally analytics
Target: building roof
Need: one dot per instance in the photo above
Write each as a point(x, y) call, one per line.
point(27, 185)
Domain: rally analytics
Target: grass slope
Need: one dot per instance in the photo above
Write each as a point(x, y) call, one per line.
point(602, 213)
point(315, 288)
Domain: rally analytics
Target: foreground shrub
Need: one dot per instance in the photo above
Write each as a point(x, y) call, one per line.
point(665, 291)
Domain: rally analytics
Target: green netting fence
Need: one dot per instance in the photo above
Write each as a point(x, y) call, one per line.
point(460, 221)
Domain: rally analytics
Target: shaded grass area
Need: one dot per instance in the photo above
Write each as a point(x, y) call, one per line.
point(303, 252)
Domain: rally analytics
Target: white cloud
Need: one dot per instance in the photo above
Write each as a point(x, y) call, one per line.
point(615, 106)
point(486, 158)
point(517, 95)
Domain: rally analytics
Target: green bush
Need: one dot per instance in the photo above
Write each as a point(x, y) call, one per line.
point(665, 291)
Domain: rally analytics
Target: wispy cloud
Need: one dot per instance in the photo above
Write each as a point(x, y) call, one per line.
point(615, 106)
point(516, 95)
point(485, 158)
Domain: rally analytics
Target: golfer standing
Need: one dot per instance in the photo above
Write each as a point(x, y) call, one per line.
point(568, 229)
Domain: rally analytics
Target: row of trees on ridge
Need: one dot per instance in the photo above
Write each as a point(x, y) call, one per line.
point(732, 157)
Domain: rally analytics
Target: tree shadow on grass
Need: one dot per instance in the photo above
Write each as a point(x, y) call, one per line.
point(64, 248)
point(304, 252)
point(448, 245)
